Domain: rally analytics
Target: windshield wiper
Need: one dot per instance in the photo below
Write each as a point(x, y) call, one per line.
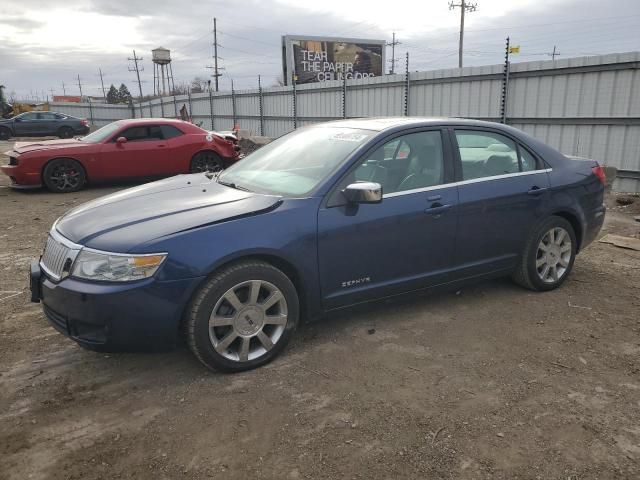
point(233, 185)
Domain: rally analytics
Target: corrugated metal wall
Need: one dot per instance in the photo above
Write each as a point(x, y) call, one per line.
point(587, 106)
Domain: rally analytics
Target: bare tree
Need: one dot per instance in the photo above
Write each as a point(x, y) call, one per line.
point(198, 85)
point(181, 88)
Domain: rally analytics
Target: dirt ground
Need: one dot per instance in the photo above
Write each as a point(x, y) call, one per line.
point(490, 382)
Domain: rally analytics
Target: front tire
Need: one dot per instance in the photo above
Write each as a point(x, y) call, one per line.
point(64, 175)
point(548, 256)
point(206, 162)
point(5, 133)
point(243, 317)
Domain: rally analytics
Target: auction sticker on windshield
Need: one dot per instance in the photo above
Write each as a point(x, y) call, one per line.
point(349, 137)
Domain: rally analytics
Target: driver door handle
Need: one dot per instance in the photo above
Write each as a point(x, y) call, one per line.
point(437, 208)
point(535, 190)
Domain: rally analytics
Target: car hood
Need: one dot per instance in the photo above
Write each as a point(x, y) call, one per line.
point(25, 147)
point(124, 220)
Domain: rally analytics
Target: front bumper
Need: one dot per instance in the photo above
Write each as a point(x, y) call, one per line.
point(137, 316)
point(21, 177)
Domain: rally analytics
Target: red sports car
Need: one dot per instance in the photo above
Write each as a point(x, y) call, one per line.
point(124, 149)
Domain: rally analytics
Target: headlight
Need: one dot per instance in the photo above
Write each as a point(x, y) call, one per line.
point(112, 267)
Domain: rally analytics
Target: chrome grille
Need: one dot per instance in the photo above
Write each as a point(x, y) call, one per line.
point(58, 252)
point(54, 257)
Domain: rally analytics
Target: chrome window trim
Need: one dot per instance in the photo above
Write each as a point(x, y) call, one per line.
point(418, 190)
point(506, 175)
point(465, 182)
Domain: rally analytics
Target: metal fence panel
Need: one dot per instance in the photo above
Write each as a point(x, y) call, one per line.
point(587, 106)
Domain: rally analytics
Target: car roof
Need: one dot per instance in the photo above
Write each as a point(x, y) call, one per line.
point(380, 124)
point(156, 121)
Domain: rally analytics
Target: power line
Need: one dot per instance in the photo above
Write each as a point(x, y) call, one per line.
point(535, 25)
point(249, 39)
point(464, 7)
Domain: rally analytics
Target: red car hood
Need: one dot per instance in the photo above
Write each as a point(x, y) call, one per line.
point(24, 147)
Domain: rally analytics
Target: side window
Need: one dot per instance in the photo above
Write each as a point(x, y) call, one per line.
point(135, 134)
point(28, 116)
point(416, 162)
point(155, 132)
point(529, 162)
point(46, 116)
point(486, 154)
point(169, 131)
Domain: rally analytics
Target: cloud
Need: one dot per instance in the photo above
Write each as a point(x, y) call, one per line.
point(43, 45)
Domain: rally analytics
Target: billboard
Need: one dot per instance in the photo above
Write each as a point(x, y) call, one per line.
point(318, 59)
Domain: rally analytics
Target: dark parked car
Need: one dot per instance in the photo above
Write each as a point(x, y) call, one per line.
point(42, 124)
point(323, 218)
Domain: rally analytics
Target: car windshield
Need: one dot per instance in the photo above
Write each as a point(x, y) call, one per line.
point(102, 133)
point(296, 163)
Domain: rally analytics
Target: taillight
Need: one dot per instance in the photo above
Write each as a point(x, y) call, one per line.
point(599, 172)
point(84, 122)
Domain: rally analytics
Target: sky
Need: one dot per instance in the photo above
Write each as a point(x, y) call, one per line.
point(44, 43)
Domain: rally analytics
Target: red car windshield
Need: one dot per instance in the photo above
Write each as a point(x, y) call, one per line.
point(102, 134)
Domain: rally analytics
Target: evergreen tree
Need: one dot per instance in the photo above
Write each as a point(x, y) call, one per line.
point(123, 94)
point(112, 95)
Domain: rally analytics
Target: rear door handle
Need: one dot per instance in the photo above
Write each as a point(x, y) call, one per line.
point(437, 208)
point(536, 190)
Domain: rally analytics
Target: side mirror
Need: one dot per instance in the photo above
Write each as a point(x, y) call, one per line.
point(121, 140)
point(363, 192)
point(17, 119)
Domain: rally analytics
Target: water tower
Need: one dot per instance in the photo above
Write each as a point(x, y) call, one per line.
point(162, 71)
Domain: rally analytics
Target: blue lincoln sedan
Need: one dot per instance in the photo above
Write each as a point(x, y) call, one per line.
point(325, 217)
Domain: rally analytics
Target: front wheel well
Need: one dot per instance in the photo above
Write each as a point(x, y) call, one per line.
point(575, 224)
point(281, 264)
point(86, 176)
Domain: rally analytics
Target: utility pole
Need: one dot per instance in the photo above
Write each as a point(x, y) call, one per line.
point(80, 87)
point(104, 93)
point(554, 54)
point(137, 70)
point(52, 93)
point(64, 89)
point(216, 73)
point(393, 53)
point(465, 6)
point(215, 51)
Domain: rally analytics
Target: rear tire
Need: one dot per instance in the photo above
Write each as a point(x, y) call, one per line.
point(548, 256)
point(243, 317)
point(64, 175)
point(65, 132)
point(206, 162)
point(5, 133)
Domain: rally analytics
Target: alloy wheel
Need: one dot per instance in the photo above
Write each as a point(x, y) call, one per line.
point(248, 320)
point(65, 177)
point(553, 255)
